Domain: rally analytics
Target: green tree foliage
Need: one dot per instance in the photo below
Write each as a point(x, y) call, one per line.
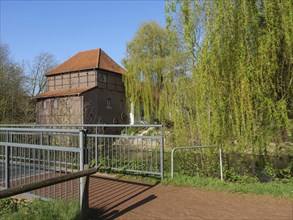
point(236, 89)
point(154, 62)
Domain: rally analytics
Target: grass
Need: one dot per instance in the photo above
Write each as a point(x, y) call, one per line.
point(140, 178)
point(13, 209)
point(277, 188)
point(281, 188)
point(274, 188)
point(244, 184)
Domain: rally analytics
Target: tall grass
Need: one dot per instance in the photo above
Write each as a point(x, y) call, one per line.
point(12, 209)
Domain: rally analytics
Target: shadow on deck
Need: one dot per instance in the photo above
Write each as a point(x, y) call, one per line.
point(112, 198)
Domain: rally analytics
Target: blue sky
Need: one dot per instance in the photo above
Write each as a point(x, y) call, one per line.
point(64, 28)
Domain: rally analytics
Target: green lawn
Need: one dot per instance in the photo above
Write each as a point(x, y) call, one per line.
point(282, 188)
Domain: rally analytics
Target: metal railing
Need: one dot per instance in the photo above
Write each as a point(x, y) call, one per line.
point(50, 159)
point(196, 147)
point(31, 155)
point(118, 147)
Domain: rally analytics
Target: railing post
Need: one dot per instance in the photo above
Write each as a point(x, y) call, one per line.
point(84, 181)
point(41, 138)
point(221, 164)
point(96, 148)
point(7, 164)
point(84, 197)
point(81, 161)
point(162, 154)
point(172, 163)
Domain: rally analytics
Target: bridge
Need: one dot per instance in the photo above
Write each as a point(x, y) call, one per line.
point(55, 161)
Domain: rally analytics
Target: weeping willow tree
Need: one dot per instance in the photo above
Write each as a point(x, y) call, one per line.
point(221, 72)
point(154, 63)
point(241, 90)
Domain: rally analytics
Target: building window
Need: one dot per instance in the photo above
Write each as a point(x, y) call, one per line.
point(55, 103)
point(109, 103)
point(121, 103)
point(44, 104)
point(68, 103)
point(104, 77)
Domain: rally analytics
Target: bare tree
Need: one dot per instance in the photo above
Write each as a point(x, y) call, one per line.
point(13, 96)
point(36, 72)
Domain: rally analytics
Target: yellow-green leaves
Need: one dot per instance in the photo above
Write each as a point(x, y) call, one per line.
point(227, 72)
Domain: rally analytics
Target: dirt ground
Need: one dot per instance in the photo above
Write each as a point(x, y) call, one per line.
point(120, 199)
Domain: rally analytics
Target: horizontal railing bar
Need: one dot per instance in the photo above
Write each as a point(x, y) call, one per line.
point(17, 159)
point(22, 133)
point(64, 134)
point(41, 130)
point(44, 183)
point(69, 134)
point(123, 136)
point(41, 147)
point(136, 171)
point(80, 125)
point(194, 147)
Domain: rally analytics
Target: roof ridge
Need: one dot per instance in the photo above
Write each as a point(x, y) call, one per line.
point(87, 50)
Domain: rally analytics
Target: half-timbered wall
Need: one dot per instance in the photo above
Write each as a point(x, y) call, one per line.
point(79, 79)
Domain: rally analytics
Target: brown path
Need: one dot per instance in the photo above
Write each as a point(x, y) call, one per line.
point(118, 199)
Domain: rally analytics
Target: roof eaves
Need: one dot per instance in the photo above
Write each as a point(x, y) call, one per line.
point(88, 89)
point(66, 72)
point(112, 71)
point(64, 95)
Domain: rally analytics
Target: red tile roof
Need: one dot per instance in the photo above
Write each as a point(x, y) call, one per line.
point(63, 92)
point(90, 59)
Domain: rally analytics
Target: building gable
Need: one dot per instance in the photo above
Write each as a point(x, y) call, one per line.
point(91, 59)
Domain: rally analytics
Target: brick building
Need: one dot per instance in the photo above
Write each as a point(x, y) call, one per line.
point(85, 89)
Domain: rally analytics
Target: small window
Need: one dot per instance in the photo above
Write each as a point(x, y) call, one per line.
point(104, 78)
point(121, 103)
point(68, 103)
point(109, 103)
point(55, 103)
point(44, 104)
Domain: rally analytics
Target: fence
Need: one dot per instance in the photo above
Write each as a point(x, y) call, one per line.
point(196, 147)
point(30, 155)
point(130, 148)
point(46, 160)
